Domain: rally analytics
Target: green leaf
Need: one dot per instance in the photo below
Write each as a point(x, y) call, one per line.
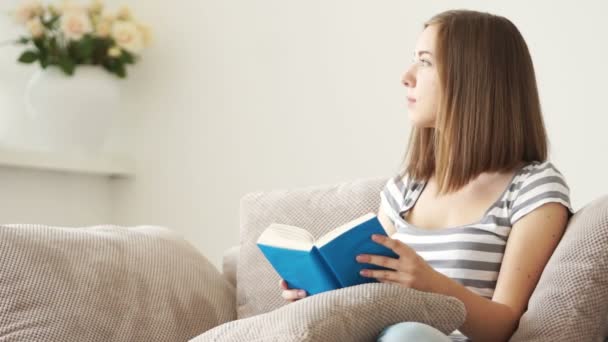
point(23, 40)
point(120, 70)
point(53, 59)
point(28, 57)
point(53, 47)
point(108, 68)
point(51, 22)
point(42, 49)
point(127, 58)
point(100, 53)
point(115, 67)
point(39, 43)
point(53, 42)
point(71, 51)
point(44, 59)
point(67, 65)
point(84, 48)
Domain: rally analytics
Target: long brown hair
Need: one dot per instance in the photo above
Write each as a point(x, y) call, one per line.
point(489, 117)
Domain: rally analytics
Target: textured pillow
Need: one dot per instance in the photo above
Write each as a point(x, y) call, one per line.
point(317, 209)
point(107, 283)
point(356, 313)
point(570, 302)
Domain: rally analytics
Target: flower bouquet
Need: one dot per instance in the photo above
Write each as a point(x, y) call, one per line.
point(72, 34)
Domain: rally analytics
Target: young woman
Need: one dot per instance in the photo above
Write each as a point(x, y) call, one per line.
point(477, 209)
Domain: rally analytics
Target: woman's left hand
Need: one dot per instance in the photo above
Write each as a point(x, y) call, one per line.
point(409, 270)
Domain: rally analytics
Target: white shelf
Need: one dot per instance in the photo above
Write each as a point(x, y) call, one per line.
point(107, 165)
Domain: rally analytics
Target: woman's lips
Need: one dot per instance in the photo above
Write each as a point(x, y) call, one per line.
point(411, 101)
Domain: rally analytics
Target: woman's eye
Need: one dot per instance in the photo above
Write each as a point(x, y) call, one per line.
point(422, 62)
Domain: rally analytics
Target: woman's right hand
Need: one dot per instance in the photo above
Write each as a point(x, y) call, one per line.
point(291, 295)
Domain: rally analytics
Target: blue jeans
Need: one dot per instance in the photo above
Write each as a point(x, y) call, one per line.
point(412, 331)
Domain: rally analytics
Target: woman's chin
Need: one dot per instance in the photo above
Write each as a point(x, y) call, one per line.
point(419, 122)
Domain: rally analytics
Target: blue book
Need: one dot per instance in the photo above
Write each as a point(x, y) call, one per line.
point(327, 263)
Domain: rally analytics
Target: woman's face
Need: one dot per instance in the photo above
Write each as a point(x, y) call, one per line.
point(422, 81)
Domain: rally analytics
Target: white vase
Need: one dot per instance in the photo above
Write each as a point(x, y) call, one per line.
point(72, 113)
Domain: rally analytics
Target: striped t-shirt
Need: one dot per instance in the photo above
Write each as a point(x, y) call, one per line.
point(472, 254)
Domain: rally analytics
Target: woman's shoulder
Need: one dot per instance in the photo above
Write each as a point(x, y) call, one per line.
point(395, 185)
point(395, 192)
point(541, 169)
point(538, 183)
point(537, 177)
point(401, 183)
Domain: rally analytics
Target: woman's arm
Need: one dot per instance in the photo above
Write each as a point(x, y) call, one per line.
point(531, 242)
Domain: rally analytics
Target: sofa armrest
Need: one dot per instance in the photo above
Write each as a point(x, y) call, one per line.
point(107, 283)
point(229, 262)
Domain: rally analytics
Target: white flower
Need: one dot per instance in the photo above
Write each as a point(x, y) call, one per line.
point(35, 27)
point(28, 10)
point(104, 27)
point(127, 36)
point(69, 6)
point(54, 10)
point(107, 15)
point(75, 24)
point(124, 13)
point(146, 33)
point(96, 6)
point(114, 51)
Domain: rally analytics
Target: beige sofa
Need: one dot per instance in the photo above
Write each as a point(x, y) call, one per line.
point(570, 302)
point(146, 283)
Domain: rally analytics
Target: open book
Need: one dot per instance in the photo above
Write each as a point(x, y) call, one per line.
point(329, 262)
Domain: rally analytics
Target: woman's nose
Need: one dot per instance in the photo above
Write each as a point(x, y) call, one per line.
point(408, 79)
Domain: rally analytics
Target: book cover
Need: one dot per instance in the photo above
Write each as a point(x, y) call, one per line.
point(327, 263)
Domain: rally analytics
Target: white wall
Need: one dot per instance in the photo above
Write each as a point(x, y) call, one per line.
point(239, 96)
point(276, 94)
point(41, 197)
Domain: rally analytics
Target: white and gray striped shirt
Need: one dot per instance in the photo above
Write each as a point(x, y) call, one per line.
point(472, 254)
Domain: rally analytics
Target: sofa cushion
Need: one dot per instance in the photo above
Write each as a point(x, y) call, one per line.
point(229, 261)
point(107, 283)
point(317, 209)
point(570, 302)
point(356, 313)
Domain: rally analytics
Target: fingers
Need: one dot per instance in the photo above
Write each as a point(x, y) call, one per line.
point(395, 245)
point(386, 281)
point(378, 260)
point(292, 295)
point(381, 274)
